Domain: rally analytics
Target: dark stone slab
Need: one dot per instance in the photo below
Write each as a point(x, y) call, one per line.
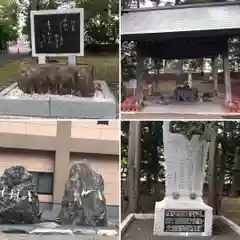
point(83, 201)
point(19, 201)
point(143, 230)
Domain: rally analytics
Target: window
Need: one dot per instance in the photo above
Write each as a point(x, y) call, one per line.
point(44, 182)
point(102, 122)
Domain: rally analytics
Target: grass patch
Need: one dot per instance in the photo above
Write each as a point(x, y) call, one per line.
point(9, 72)
point(106, 66)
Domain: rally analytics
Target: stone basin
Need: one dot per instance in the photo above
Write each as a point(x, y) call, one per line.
point(13, 102)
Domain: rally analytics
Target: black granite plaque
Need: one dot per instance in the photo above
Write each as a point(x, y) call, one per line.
point(184, 220)
point(57, 33)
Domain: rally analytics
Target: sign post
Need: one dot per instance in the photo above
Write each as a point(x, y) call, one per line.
point(72, 60)
point(57, 33)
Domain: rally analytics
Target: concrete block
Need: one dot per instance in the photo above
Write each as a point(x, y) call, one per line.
point(24, 106)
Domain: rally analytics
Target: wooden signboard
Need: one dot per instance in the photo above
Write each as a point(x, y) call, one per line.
point(184, 220)
point(57, 32)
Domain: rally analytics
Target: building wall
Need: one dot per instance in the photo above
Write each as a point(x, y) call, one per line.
point(37, 145)
point(79, 129)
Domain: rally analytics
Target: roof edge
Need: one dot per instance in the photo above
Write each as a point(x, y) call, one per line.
point(200, 5)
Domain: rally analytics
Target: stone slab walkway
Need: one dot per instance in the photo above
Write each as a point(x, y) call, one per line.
point(143, 230)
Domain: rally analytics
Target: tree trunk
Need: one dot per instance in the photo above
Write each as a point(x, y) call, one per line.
point(131, 170)
point(235, 187)
point(138, 3)
point(133, 177)
point(215, 75)
point(137, 160)
point(221, 178)
point(212, 174)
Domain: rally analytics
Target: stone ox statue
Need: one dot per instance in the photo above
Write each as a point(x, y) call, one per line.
point(56, 79)
point(83, 201)
point(18, 197)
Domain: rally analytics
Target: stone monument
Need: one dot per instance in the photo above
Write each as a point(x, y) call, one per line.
point(83, 202)
point(18, 197)
point(182, 212)
point(56, 79)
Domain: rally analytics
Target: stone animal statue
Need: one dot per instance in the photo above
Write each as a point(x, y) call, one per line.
point(83, 202)
point(19, 202)
point(58, 79)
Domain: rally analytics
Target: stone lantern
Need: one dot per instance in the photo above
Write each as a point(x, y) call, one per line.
point(182, 212)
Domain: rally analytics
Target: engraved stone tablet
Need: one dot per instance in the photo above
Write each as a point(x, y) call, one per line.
point(184, 220)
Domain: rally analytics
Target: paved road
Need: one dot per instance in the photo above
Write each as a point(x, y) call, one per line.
point(13, 55)
point(23, 48)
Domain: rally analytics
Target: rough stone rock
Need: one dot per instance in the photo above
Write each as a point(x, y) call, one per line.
point(56, 79)
point(19, 202)
point(83, 202)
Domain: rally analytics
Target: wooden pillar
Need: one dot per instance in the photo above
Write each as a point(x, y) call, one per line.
point(215, 74)
point(227, 78)
point(137, 160)
point(134, 155)
point(139, 67)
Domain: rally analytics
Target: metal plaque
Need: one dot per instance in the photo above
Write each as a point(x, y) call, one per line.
point(184, 220)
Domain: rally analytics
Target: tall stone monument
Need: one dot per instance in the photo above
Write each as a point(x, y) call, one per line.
point(83, 202)
point(182, 212)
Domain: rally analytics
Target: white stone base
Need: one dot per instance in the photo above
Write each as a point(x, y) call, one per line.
point(181, 204)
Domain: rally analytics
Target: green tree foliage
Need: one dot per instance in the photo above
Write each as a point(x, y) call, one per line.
point(152, 155)
point(8, 22)
point(101, 17)
point(152, 158)
point(27, 6)
point(101, 20)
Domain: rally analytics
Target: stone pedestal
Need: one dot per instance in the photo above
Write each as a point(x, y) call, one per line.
point(185, 167)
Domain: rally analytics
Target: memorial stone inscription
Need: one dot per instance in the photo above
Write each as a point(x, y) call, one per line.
point(57, 33)
point(184, 221)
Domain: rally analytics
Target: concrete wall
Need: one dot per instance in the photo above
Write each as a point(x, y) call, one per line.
point(51, 146)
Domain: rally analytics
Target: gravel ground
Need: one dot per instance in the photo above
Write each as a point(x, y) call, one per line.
point(143, 230)
point(52, 237)
point(17, 92)
point(20, 231)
